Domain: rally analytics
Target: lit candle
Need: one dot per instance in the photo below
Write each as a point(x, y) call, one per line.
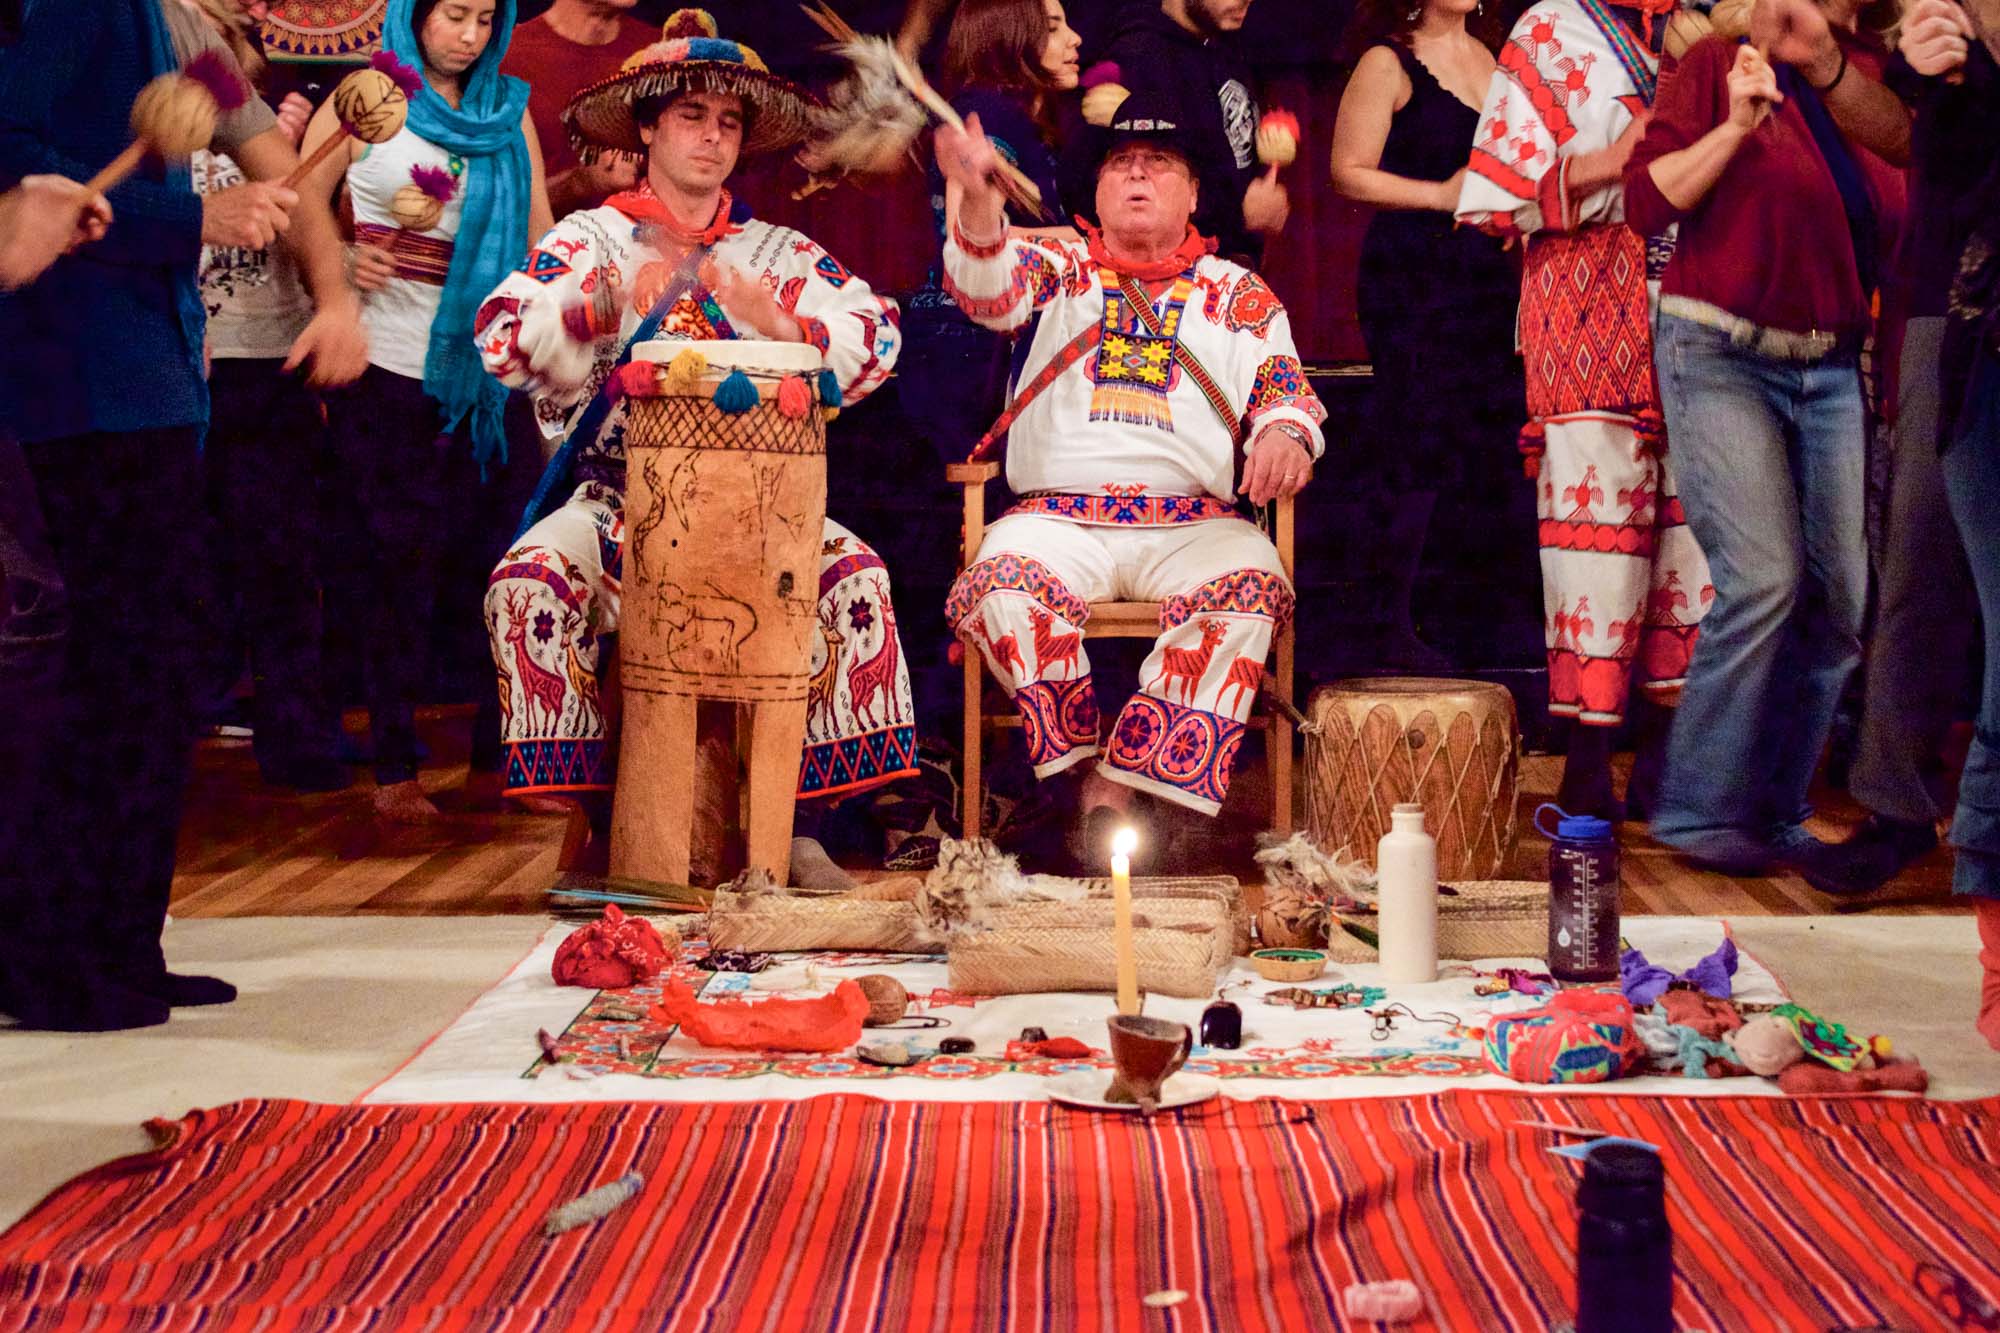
point(1123, 844)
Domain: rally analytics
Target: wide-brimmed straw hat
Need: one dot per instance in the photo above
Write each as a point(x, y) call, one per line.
point(689, 57)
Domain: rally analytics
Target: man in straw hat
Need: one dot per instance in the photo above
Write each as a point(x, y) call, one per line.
point(677, 257)
point(1155, 370)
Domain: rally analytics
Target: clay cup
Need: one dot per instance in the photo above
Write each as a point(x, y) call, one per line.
point(1145, 1052)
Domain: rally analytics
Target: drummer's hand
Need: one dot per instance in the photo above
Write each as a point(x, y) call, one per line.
point(1279, 465)
point(749, 302)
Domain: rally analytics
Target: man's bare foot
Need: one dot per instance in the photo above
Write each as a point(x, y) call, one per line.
point(404, 803)
point(812, 868)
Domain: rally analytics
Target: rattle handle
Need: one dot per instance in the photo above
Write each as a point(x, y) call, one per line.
point(118, 168)
point(317, 156)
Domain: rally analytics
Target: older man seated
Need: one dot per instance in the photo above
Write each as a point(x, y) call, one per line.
point(1155, 368)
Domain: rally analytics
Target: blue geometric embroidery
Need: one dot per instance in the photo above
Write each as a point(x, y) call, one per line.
point(544, 267)
point(832, 270)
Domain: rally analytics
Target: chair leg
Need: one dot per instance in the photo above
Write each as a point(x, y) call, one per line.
point(972, 791)
point(1279, 738)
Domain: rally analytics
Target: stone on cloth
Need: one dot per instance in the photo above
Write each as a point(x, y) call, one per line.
point(612, 953)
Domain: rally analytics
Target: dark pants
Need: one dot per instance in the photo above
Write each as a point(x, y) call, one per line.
point(397, 485)
point(87, 869)
point(1924, 642)
point(265, 453)
point(1972, 479)
point(34, 630)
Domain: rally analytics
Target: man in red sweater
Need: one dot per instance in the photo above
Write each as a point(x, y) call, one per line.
point(575, 44)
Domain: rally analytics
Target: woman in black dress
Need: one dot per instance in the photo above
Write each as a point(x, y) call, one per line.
point(1436, 305)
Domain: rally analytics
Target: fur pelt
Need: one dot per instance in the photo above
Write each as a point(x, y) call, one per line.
point(974, 877)
point(869, 120)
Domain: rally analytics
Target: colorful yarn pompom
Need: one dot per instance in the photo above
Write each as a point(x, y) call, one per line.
point(829, 389)
point(218, 76)
point(1581, 1036)
point(684, 372)
point(794, 398)
point(737, 394)
point(634, 379)
point(404, 76)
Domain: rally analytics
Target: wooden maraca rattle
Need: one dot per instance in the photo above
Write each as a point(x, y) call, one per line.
point(1277, 139)
point(1103, 93)
point(419, 206)
point(371, 104)
point(175, 114)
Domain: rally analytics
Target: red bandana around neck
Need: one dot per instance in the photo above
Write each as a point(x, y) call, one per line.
point(642, 205)
point(1192, 247)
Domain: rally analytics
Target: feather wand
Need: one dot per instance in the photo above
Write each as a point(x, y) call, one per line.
point(588, 1208)
point(1013, 182)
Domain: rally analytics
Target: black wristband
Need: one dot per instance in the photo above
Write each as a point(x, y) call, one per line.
point(1838, 75)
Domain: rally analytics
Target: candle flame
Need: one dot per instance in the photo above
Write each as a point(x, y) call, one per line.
point(1124, 842)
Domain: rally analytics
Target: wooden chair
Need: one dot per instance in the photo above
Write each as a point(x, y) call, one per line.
point(1116, 620)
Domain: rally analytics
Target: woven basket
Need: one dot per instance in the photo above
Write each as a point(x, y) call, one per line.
point(1183, 944)
point(1490, 918)
point(775, 923)
point(1222, 889)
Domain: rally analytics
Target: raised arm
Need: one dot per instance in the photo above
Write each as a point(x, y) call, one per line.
point(1376, 92)
point(1796, 33)
point(1695, 132)
point(998, 280)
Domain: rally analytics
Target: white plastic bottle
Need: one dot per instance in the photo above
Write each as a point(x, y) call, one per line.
point(1407, 898)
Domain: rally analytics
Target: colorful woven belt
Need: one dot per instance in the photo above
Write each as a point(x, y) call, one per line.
point(418, 258)
point(1124, 510)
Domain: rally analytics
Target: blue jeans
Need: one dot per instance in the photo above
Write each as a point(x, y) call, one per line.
point(1770, 459)
point(1972, 481)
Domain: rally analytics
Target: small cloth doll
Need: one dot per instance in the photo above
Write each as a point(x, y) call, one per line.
point(611, 953)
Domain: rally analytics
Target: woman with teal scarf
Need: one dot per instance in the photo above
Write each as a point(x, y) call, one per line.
point(442, 212)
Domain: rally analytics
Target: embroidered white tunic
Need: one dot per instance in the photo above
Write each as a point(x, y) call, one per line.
point(1131, 415)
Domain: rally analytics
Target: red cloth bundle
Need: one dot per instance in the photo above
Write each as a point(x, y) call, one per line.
point(823, 1023)
point(611, 953)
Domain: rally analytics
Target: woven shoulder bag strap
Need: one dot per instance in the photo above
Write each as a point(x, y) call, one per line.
point(1142, 305)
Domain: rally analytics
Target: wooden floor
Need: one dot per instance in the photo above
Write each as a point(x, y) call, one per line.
point(252, 850)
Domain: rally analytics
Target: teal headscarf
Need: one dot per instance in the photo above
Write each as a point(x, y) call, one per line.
point(485, 130)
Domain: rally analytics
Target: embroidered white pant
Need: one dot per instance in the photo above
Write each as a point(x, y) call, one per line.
point(1624, 583)
point(1026, 597)
point(556, 595)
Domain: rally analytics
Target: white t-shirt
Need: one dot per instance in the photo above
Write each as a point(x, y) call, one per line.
point(257, 307)
point(398, 317)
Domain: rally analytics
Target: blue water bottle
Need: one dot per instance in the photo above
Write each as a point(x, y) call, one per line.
point(1583, 896)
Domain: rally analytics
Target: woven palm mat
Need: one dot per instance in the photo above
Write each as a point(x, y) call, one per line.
point(491, 1052)
point(848, 1212)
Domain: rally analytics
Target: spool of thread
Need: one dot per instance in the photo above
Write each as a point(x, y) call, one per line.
point(588, 1208)
point(1394, 1302)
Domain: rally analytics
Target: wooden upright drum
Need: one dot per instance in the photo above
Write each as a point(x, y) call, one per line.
point(725, 497)
point(1450, 744)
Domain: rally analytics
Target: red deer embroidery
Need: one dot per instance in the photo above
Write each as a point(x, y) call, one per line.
point(1245, 675)
point(1001, 651)
point(825, 681)
point(877, 674)
point(539, 685)
point(1051, 648)
point(1189, 664)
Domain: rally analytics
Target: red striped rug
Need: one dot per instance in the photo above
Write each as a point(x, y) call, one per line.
point(854, 1213)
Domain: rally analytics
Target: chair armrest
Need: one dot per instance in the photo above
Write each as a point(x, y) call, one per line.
point(970, 474)
point(1283, 534)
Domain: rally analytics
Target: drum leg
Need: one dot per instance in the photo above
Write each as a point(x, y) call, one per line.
point(777, 730)
point(652, 814)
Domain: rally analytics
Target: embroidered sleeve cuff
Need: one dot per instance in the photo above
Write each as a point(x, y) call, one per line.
point(814, 332)
point(975, 251)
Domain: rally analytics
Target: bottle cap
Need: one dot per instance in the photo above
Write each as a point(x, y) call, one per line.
point(1572, 828)
point(1622, 1180)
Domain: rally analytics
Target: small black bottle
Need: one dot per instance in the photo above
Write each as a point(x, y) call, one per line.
point(1624, 1251)
point(1222, 1026)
